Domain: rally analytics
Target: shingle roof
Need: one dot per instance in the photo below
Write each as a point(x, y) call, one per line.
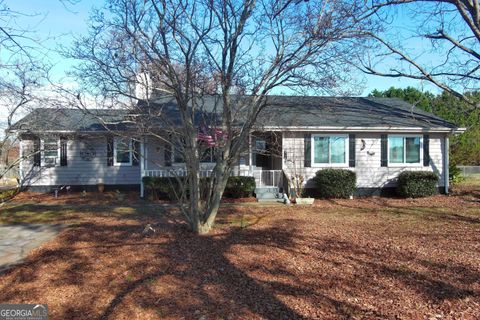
point(347, 112)
point(282, 111)
point(51, 119)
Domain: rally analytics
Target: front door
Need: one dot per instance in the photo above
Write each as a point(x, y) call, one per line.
point(262, 156)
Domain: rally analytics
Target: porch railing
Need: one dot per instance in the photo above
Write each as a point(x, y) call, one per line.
point(263, 178)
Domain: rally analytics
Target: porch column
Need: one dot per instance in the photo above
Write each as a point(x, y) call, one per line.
point(142, 166)
point(250, 157)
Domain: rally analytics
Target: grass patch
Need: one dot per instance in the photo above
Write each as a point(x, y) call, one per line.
point(7, 194)
point(472, 180)
point(69, 214)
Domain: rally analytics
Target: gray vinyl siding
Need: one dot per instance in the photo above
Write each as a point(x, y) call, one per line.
point(369, 172)
point(79, 171)
point(90, 172)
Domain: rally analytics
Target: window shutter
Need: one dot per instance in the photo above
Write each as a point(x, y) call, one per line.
point(351, 150)
point(37, 155)
point(426, 150)
point(63, 151)
point(384, 150)
point(136, 153)
point(307, 148)
point(109, 151)
point(167, 153)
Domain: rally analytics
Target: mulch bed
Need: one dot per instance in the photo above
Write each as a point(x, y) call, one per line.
point(326, 261)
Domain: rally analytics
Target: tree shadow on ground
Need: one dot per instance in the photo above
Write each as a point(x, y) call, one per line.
point(105, 268)
point(436, 282)
point(196, 261)
point(430, 213)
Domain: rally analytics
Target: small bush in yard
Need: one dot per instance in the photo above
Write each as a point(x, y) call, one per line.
point(416, 184)
point(335, 183)
point(455, 174)
point(239, 187)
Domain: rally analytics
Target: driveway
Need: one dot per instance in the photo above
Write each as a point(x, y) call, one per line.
point(16, 241)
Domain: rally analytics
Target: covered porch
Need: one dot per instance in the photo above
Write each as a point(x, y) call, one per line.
point(262, 160)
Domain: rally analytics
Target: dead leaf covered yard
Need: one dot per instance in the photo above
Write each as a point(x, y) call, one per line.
point(365, 258)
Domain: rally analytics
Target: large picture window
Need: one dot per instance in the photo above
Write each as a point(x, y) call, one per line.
point(329, 149)
point(404, 149)
point(122, 151)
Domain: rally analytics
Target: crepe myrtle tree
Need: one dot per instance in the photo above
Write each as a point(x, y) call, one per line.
point(218, 61)
point(447, 48)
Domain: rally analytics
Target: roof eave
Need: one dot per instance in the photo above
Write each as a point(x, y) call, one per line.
point(360, 129)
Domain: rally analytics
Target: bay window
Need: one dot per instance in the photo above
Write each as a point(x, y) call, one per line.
point(329, 150)
point(404, 149)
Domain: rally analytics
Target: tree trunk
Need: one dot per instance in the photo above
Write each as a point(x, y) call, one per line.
point(205, 220)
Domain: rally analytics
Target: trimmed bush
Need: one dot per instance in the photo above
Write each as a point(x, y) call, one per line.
point(240, 187)
point(416, 184)
point(164, 187)
point(335, 183)
point(161, 187)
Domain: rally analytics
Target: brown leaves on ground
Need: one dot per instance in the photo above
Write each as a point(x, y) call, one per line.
point(372, 258)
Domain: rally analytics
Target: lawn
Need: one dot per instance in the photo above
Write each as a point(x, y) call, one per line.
point(374, 258)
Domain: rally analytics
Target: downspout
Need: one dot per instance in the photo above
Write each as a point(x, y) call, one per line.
point(142, 167)
point(446, 173)
point(20, 163)
point(250, 157)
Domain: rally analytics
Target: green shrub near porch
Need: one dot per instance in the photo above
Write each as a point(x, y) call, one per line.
point(240, 187)
point(416, 184)
point(335, 183)
point(165, 188)
point(161, 187)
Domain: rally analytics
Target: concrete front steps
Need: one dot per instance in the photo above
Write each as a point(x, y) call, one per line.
point(268, 195)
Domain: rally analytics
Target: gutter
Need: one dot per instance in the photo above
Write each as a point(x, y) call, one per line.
point(289, 128)
point(361, 129)
point(458, 130)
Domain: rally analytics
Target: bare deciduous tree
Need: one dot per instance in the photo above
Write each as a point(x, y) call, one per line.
point(452, 62)
point(21, 76)
point(201, 54)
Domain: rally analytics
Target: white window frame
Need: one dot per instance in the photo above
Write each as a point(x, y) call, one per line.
point(329, 164)
point(212, 155)
point(172, 158)
point(130, 147)
point(405, 164)
point(42, 154)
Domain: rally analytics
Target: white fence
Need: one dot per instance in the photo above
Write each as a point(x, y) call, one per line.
point(469, 170)
point(263, 178)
